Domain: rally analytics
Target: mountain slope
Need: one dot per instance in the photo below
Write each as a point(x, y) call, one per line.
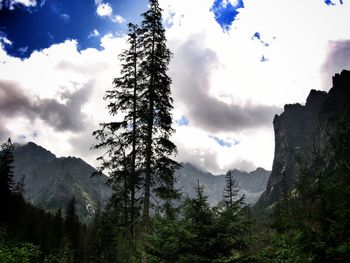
point(50, 181)
point(303, 131)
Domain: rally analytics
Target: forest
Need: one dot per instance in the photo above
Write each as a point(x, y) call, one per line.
point(147, 219)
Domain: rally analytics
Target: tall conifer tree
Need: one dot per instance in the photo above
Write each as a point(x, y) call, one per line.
point(6, 179)
point(6, 168)
point(157, 104)
point(121, 137)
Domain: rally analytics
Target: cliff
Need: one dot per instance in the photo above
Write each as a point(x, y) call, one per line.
point(301, 131)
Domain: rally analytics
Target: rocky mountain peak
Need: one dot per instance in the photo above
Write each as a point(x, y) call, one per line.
point(299, 130)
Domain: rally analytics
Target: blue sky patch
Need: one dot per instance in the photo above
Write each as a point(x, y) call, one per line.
point(54, 21)
point(258, 37)
point(225, 143)
point(263, 59)
point(332, 2)
point(183, 121)
point(226, 11)
point(35, 134)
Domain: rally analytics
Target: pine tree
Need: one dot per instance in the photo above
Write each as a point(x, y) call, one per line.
point(57, 228)
point(231, 199)
point(6, 169)
point(232, 220)
point(122, 138)
point(156, 117)
point(6, 180)
point(72, 228)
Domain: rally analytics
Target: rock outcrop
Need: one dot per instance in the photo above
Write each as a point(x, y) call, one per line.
point(302, 131)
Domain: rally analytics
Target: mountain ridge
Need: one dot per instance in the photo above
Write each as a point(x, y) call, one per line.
point(51, 181)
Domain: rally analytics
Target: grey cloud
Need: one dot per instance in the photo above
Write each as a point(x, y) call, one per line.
point(205, 161)
point(191, 69)
point(82, 143)
point(4, 132)
point(15, 102)
point(338, 58)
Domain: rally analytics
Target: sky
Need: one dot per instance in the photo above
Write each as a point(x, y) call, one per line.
point(235, 64)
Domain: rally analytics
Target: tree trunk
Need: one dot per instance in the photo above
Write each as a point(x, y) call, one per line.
point(149, 141)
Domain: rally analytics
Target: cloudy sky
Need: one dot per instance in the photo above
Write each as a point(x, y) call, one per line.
point(235, 64)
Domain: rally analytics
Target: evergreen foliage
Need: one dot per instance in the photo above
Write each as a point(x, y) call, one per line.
point(6, 182)
point(156, 117)
point(200, 233)
point(312, 221)
point(138, 147)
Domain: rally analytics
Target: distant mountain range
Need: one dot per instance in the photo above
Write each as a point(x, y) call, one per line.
point(250, 184)
point(50, 181)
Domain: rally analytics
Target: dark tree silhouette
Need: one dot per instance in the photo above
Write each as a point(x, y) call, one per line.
point(122, 140)
point(6, 180)
point(72, 228)
point(156, 118)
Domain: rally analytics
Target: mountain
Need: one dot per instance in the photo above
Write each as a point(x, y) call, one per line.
point(304, 131)
point(251, 184)
point(50, 181)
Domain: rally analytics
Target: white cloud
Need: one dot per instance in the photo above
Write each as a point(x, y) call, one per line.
point(300, 34)
point(118, 19)
point(104, 9)
point(55, 74)
point(27, 3)
point(5, 40)
point(95, 33)
point(65, 17)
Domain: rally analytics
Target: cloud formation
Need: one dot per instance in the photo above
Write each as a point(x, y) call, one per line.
point(220, 87)
point(338, 58)
point(192, 68)
point(61, 116)
point(106, 10)
point(11, 4)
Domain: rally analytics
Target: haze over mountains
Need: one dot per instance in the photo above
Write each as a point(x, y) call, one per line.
point(50, 181)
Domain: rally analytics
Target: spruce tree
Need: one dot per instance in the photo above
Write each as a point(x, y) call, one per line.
point(156, 118)
point(231, 198)
point(6, 169)
point(6, 180)
point(72, 228)
point(232, 219)
point(121, 138)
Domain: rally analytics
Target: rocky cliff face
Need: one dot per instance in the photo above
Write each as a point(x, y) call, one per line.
point(301, 131)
